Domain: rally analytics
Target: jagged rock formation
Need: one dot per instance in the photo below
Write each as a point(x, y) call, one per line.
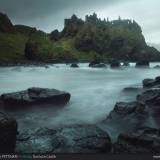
point(5, 24)
point(8, 133)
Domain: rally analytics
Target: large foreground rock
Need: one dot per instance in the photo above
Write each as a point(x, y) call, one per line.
point(151, 83)
point(150, 97)
point(35, 96)
point(127, 116)
point(144, 140)
point(75, 139)
point(8, 132)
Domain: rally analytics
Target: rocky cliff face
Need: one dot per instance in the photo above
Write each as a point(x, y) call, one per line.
point(5, 23)
point(118, 39)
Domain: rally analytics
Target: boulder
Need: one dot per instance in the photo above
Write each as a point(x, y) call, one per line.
point(132, 89)
point(157, 67)
point(115, 64)
point(93, 63)
point(35, 96)
point(101, 65)
point(144, 140)
point(73, 139)
point(142, 64)
point(151, 83)
point(126, 117)
point(126, 64)
point(5, 24)
point(8, 132)
point(150, 97)
point(74, 65)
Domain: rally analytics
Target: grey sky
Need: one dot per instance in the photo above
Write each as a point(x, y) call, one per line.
point(49, 14)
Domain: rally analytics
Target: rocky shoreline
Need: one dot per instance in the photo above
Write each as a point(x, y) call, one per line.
point(137, 124)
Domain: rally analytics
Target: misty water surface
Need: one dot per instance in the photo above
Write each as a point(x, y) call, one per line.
point(94, 92)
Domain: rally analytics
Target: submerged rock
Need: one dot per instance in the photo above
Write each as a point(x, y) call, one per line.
point(75, 139)
point(93, 63)
point(34, 96)
point(142, 64)
point(8, 132)
point(101, 65)
point(144, 140)
point(115, 64)
point(157, 67)
point(132, 89)
point(74, 65)
point(126, 64)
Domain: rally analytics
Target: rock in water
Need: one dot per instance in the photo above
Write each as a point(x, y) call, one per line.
point(144, 140)
point(8, 132)
point(35, 96)
point(151, 83)
point(101, 65)
point(115, 64)
point(74, 139)
point(142, 64)
point(74, 65)
point(126, 64)
point(93, 63)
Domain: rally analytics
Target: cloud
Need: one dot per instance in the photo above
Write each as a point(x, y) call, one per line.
point(49, 14)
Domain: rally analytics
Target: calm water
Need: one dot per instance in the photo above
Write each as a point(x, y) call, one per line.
point(94, 91)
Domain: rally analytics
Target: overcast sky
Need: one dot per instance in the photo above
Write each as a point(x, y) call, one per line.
point(48, 15)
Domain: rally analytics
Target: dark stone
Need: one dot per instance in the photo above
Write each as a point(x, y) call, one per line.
point(74, 65)
point(8, 132)
point(126, 64)
point(150, 97)
point(5, 24)
point(144, 140)
point(115, 64)
point(157, 67)
point(126, 117)
point(34, 96)
point(93, 63)
point(151, 83)
point(142, 64)
point(132, 89)
point(75, 139)
point(101, 65)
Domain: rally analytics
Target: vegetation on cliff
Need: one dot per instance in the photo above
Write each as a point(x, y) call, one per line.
point(79, 40)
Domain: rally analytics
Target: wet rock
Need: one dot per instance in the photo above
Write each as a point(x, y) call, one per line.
point(115, 64)
point(93, 63)
point(74, 65)
point(126, 64)
point(127, 116)
point(142, 64)
point(5, 24)
point(157, 67)
point(8, 132)
point(75, 139)
point(144, 140)
point(150, 97)
point(34, 96)
point(151, 83)
point(132, 89)
point(101, 65)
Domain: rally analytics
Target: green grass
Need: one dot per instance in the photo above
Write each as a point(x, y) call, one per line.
point(12, 46)
point(67, 45)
